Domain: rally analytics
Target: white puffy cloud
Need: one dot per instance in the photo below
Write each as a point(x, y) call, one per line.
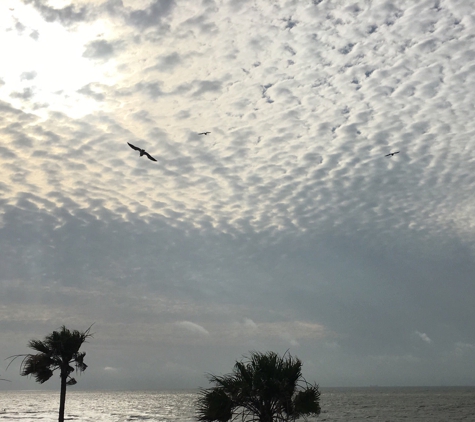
point(423, 336)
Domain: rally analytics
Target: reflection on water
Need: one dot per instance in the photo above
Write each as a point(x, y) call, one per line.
point(338, 405)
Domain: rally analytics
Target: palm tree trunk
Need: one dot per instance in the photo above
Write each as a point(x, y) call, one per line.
point(62, 398)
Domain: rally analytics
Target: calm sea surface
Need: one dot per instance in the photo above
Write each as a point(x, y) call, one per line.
point(338, 404)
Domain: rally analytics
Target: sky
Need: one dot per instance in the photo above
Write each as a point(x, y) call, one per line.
point(286, 228)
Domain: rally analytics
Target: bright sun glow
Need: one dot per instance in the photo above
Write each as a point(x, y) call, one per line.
point(46, 63)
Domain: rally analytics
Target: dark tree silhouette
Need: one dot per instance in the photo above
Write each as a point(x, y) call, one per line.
point(59, 350)
point(264, 387)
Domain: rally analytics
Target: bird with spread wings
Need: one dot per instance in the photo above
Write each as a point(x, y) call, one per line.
point(391, 154)
point(142, 151)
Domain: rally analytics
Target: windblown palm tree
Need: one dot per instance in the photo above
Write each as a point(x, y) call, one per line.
point(59, 350)
point(265, 388)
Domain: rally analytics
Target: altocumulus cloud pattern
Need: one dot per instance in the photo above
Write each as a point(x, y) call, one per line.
point(328, 208)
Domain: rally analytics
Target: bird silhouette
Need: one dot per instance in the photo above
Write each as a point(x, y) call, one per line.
point(204, 133)
point(142, 151)
point(391, 154)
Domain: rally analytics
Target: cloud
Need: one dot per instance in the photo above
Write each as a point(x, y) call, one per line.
point(424, 337)
point(290, 339)
point(28, 75)
point(166, 63)
point(249, 323)
point(244, 328)
point(285, 227)
point(19, 27)
point(207, 86)
point(34, 34)
point(464, 349)
point(192, 327)
point(90, 90)
point(152, 89)
point(67, 15)
point(26, 94)
point(100, 50)
point(152, 15)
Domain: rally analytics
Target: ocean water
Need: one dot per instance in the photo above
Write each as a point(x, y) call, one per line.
point(338, 405)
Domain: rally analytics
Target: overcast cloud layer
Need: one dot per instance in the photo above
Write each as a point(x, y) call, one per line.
point(285, 228)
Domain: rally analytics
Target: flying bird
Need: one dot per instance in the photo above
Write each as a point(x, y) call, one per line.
point(204, 133)
point(142, 151)
point(391, 154)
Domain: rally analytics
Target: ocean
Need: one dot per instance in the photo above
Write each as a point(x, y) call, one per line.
point(429, 404)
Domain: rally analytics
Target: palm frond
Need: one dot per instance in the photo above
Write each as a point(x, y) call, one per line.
point(39, 346)
point(214, 405)
point(71, 381)
point(40, 366)
point(307, 401)
point(79, 362)
point(58, 350)
point(263, 386)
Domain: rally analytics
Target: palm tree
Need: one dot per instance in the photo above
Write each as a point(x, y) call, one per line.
point(265, 387)
point(58, 350)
